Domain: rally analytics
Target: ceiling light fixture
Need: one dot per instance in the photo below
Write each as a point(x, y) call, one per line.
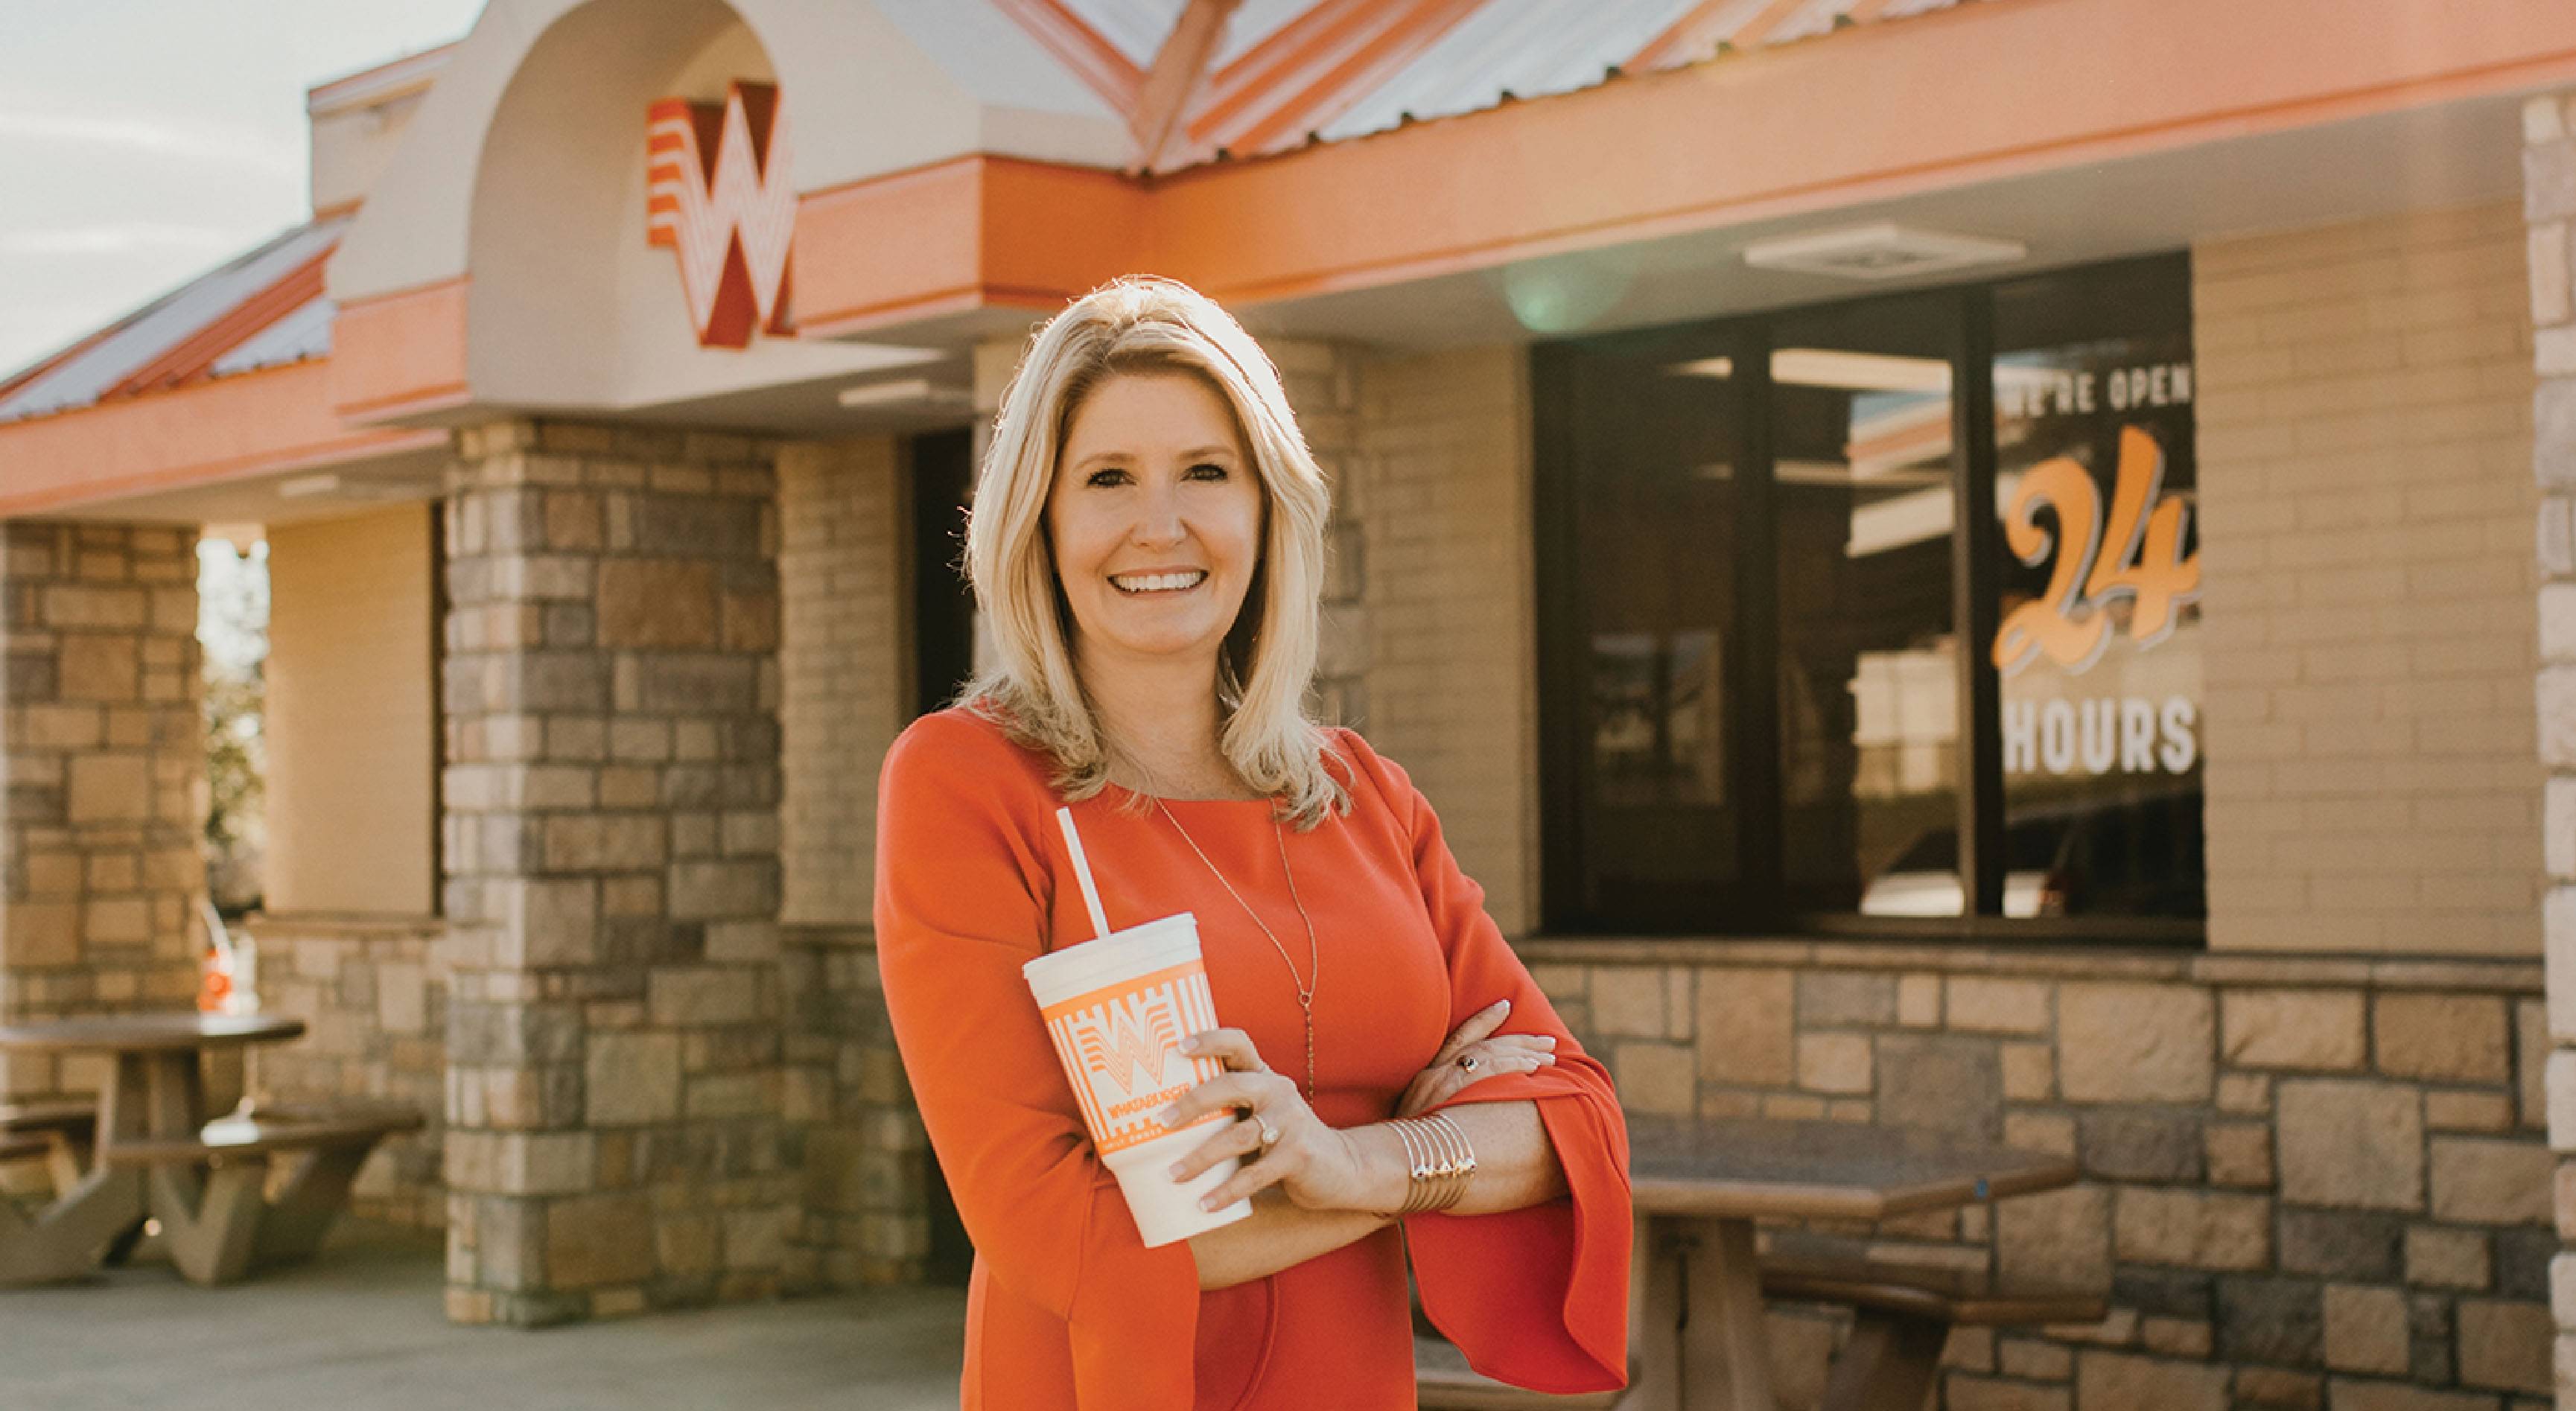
point(1882, 250)
point(918, 392)
point(331, 485)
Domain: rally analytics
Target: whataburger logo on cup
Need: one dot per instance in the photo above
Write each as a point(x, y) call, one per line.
point(1123, 1039)
point(1117, 1007)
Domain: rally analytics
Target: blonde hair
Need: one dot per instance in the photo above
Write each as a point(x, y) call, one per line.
point(1139, 325)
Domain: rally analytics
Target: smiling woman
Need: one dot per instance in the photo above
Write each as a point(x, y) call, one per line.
point(1147, 538)
point(1136, 413)
point(1156, 526)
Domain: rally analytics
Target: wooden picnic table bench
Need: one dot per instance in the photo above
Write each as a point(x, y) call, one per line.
point(1699, 1188)
point(222, 1215)
point(59, 1133)
point(152, 1151)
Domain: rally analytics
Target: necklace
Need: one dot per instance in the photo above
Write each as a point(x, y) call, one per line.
point(1314, 966)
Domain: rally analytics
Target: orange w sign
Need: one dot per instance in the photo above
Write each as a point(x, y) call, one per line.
point(718, 194)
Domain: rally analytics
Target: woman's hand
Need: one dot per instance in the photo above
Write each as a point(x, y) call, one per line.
point(1473, 1054)
point(1282, 1140)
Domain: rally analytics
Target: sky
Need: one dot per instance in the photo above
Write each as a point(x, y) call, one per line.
point(143, 142)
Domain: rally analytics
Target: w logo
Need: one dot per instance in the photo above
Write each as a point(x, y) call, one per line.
point(1128, 1035)
point(717, 193)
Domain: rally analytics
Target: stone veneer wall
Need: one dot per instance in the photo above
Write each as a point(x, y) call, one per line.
point(614, 1027)
point(2308, 1182)
point(852, 1129)
point(101, 751)
point(372, 992)
point(2549, 209)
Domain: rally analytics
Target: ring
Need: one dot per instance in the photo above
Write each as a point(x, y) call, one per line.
point(1269, 1135)
point(1468, 1063)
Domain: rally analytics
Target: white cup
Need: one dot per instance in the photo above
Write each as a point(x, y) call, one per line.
point(1118, 1008)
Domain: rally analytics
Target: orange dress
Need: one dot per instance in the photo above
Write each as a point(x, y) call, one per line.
point(1066, 1307)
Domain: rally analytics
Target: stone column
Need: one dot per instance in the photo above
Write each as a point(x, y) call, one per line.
point(2549, 203)
point(103, 754)
point(611, 874)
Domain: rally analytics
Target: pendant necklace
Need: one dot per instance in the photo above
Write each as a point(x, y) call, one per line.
point(1306, 984)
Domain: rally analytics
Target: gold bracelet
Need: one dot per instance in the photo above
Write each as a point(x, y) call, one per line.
point(1414, 1168)
point(1462, 1167)
point(1438, 1162)
point(1419, 1166)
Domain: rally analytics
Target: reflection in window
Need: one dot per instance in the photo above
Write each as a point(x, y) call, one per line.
point(1860, 415)
point(1657, 726)
point(1657, 429)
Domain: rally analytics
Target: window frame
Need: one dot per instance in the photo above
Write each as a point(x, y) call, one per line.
point(1754, 904)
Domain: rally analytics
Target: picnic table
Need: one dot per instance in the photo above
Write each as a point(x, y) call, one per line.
point(1697, 1339)
point(1700, 1187)
point(154, 1151)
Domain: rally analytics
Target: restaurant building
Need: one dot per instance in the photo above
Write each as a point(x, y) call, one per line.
point(2005, 565)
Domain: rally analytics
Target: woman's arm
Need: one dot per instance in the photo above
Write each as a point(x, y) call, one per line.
point(1279, 1234)
point(1516, 1166)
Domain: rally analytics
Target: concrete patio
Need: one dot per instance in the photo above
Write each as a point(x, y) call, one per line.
point(363, 1326)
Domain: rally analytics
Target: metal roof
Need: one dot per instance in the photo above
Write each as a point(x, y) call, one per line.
point(1136, 27)
point(95, 368)
point(1255, 21)
point(1290, 72)
point(998, 59)
point(1523, 48)
point(304, 333)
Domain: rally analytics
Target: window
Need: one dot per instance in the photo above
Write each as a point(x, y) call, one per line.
point(1877, 617)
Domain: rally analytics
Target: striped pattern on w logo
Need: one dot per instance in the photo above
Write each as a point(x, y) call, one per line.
point(719, 194)
point(1121, 1044)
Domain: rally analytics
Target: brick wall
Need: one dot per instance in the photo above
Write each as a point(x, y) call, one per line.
point(2549, 207)
point(1443, 497)
point(2365, 453)
point(853, 1131)
point(845, 690)
point(2306, 1181)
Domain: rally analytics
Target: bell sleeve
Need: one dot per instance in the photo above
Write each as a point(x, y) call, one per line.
point(1537, 1297)
point(962, 894)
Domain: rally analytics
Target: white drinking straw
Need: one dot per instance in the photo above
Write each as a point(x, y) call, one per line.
point(1082, 872)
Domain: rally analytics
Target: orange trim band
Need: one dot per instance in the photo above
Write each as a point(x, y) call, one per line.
point(228, 428)
point(399, 353)
point(963, 234)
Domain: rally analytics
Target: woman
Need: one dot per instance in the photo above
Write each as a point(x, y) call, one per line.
point(1147, 541)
